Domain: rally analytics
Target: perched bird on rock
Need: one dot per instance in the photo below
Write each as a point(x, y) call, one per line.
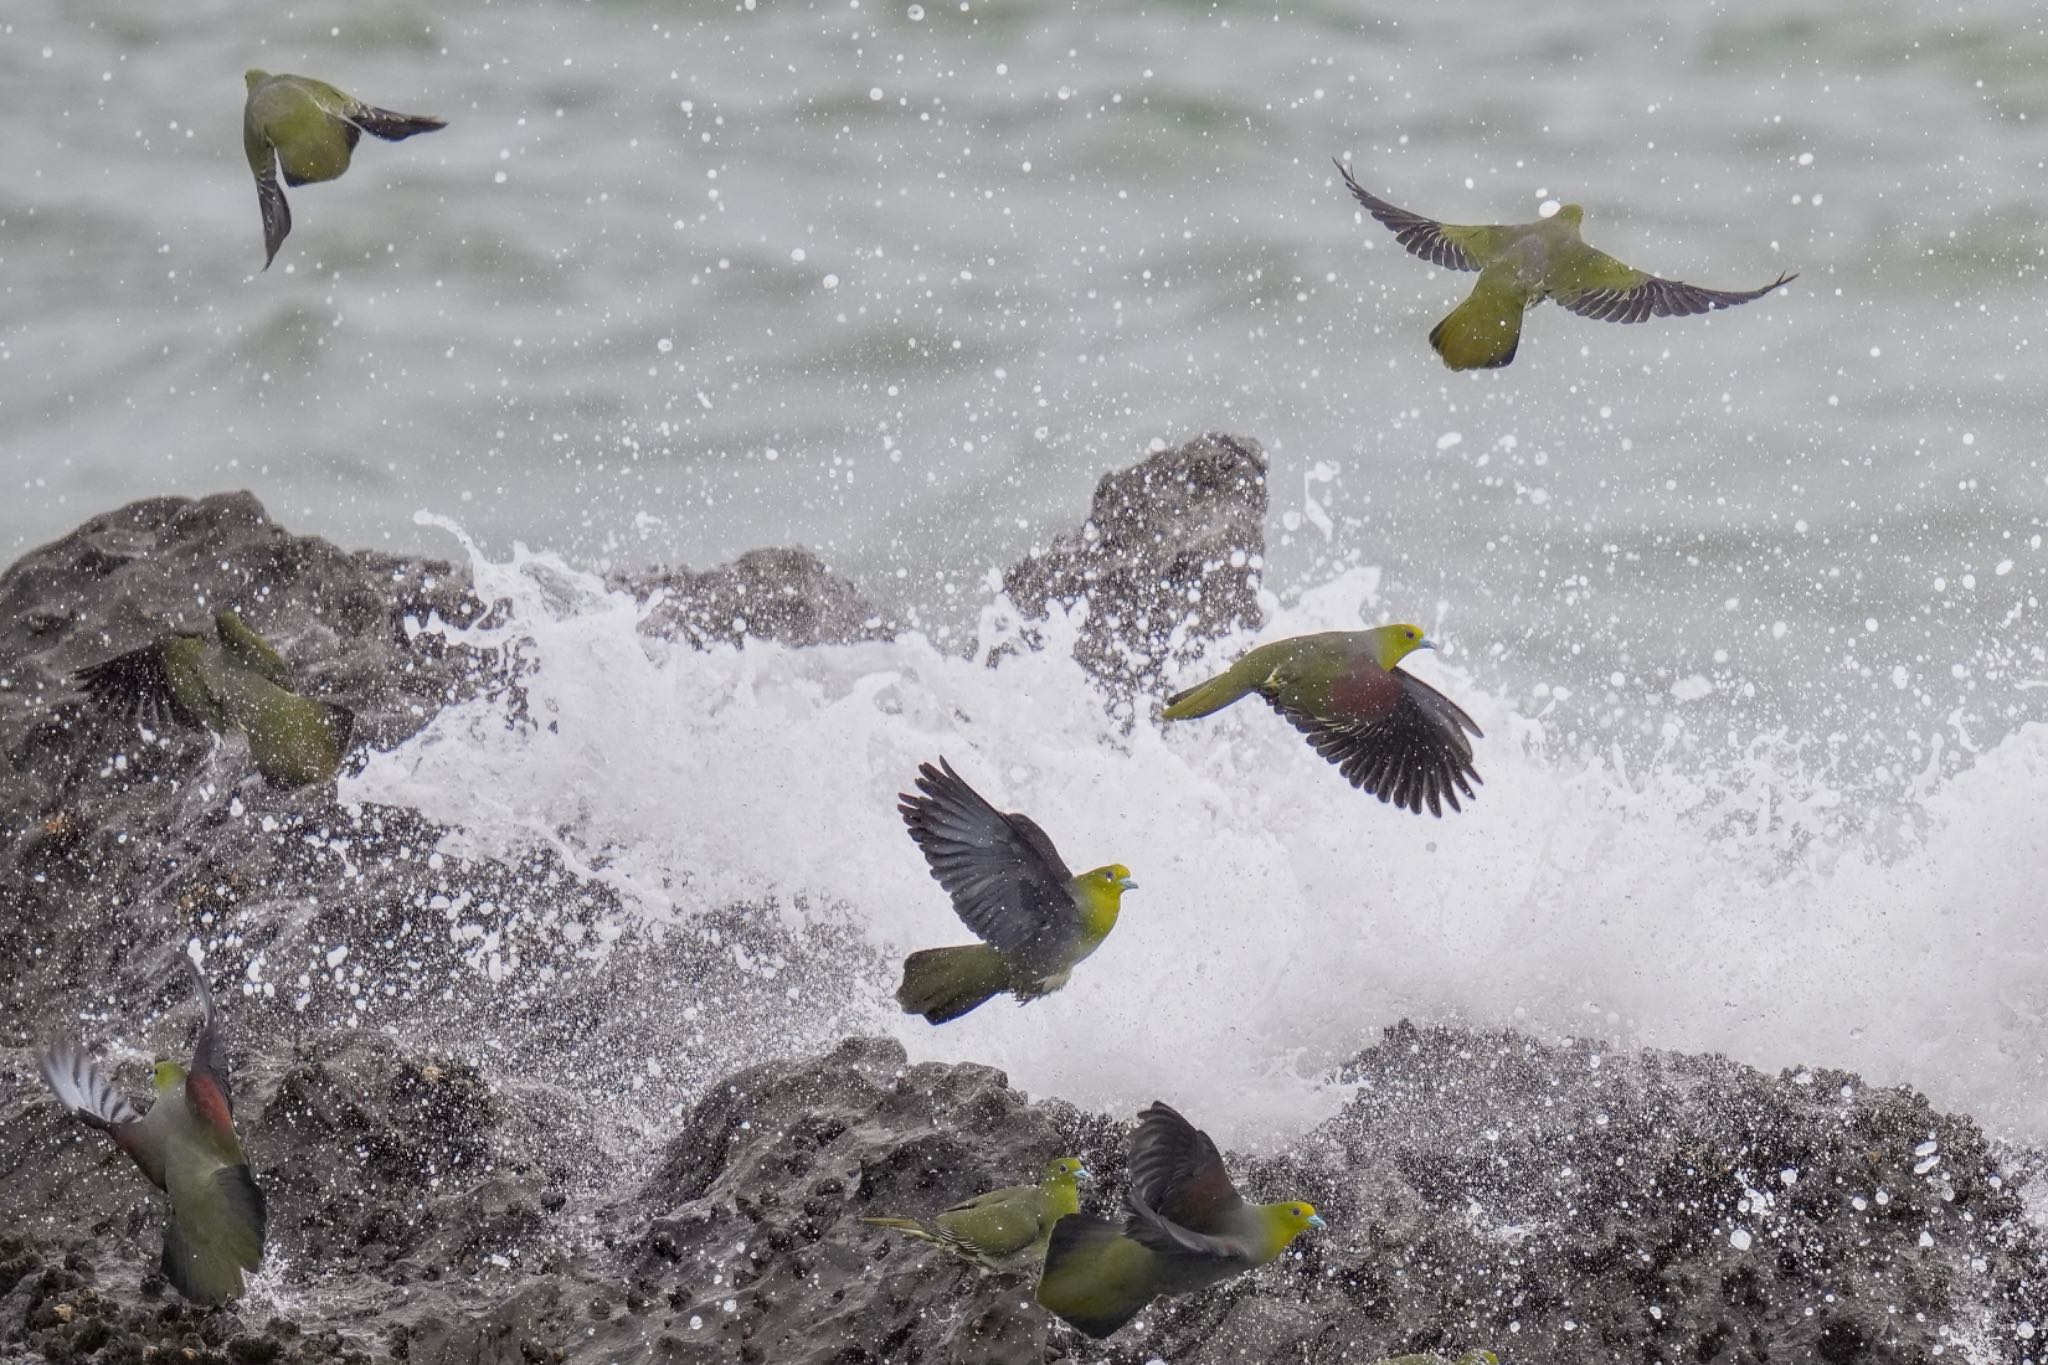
point(309, 129)
point(1188, 1229)
point(1522, 264)
point(1388, 732)
point(1004, 1229)
point(240, 684)
point(186, 1145)
point(1034, 918)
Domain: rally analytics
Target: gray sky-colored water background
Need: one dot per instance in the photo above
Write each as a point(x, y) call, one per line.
point(900, 281)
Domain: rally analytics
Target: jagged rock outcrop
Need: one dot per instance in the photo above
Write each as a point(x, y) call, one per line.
point(786, 595)
point(486, 1141)
point(1170, 557)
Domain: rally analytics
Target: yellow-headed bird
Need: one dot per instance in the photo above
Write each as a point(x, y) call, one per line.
point(1004, 1229)
point(1388, 732)
point(1188, 1229)
point(1522, 264)
point(240, 684)
point(186, 1145)
point(310, 130)
point(1034, 918)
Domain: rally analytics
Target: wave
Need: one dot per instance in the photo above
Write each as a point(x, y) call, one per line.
point(1738, 903)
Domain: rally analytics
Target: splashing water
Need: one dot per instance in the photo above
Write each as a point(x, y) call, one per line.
point(1282, 918)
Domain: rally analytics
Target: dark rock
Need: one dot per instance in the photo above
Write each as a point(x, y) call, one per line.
point(785, 595)
point(1169, 558)
point(453, 1175)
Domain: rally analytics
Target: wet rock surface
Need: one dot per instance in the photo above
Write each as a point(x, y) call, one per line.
point(1169, 558)
point(488, 1133)
point(785, 595)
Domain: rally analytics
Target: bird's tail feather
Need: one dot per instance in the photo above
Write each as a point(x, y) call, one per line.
point(945, 983)
point(1206, 697)
point(1087, 1282)
point(1483, 332)
point(393, 127)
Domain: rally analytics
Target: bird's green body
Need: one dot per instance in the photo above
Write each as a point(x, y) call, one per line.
point(1522, 264)
point(307, 129)
point(1188, 1229)
point(187, 1147)
point(1006, 1229)
point(1388, 732)
point(239, 684)
point(1008, 885)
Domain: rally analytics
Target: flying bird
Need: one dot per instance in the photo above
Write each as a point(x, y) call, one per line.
point(1035, 919)
point(186, 1145)
point(1389, 733)
point(1188, 1229)
point(1522, 264)
point(1004, 1229)
point(240, 684)
point(308, 129)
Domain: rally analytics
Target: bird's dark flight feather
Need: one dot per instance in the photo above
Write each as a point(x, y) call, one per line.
point(1007, 882)
point(1660, 298)
point(1414, 755)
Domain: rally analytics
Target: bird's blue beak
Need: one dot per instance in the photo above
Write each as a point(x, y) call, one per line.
point(1083, 1173)
point(1315, 1220)
point(1126, 883)
point(1426, 644)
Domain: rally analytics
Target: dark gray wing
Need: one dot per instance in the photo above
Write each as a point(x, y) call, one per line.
point(1180, 1196)
point(136, 684)
point(210, 1051)
point(277, 214)
point(1424, 237)
point(1414, 755)
point(83, 1088)
point(1653, 297)
point(1007, 881)
point(392, 127)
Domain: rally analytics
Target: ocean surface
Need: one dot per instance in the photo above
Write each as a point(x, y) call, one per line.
point(1748, 604)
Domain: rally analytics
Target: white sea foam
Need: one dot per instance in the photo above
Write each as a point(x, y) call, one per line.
point(1282, 918)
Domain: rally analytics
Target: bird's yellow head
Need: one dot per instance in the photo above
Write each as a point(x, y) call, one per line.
point(1287, 1221)
point(166, 1077)
point(1065, 1169)
point(1100, 894)
point(253, 78)
point(1391, 644)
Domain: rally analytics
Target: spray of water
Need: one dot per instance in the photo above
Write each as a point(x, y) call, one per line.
point(1740, 905)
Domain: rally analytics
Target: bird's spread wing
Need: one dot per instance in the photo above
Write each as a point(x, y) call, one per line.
point(136, 684)
point(208, 1087)
point(277, 214)
point(1179, 1193)
point(1007, 882)
point(1446, 244)
point(245, 647)
point(390, 126)
point(1595, 285)
point(215, 1230)
point(83, 1088)
point(1414, 755)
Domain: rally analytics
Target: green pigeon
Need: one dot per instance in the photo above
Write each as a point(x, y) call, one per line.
point(1522, 264)
point(239, 684)
point(1035, 919)
point(1389, 733)
point(1188, 1229)
point(1004, 1229)
point(186, 1145)
point(310, 129)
